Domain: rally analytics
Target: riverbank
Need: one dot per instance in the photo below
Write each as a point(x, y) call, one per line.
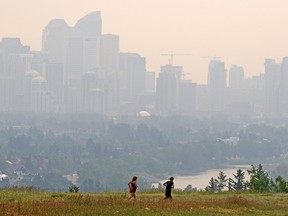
point(201, 180)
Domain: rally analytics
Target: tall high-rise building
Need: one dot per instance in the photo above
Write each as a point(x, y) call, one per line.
point(90, 25)
point(187, 97)
point(29, 76)
point(109, 72)
point(109, 55)
point(38, 94)
point(132, 76)
point(255, 90)
point(91, 54)
point(89, 86)
point(72, 96)
point(217, 85)
point(8, 47)
point(137, 72)
point(15, 61)
point(236, 77)
point(54, 40)
point(75, 59)
point(55, 83)
point(89, 28)
point(283, 89)
point(167, 89)
point(272, 84)
point(83, 46)
point(236, 92)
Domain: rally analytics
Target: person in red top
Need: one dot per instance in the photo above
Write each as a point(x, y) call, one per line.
point(133, 185)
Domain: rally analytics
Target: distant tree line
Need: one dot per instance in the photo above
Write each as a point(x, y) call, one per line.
point(105, 152)
point(259, 181)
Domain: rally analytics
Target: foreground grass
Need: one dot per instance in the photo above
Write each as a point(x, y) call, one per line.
point(25, 201)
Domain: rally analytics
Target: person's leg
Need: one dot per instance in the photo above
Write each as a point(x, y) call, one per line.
point(167, 195)
point(131, 195)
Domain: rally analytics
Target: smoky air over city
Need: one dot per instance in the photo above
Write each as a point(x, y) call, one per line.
point(91, 96)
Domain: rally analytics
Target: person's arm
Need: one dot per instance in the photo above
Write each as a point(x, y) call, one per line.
point(136, 184)
point(129, 183)
point(165, 183)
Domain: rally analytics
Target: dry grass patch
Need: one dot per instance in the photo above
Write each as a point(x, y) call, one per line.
point(42, 203)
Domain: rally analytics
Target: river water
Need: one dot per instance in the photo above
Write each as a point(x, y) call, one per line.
point(201, 180)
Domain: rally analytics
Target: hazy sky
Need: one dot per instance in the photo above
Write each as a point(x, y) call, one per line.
point(242, 32)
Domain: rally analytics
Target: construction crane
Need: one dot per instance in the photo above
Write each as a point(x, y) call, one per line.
point(212, 57)
point(173, 54)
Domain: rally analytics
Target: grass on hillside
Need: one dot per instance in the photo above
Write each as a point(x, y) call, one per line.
point(28, 201)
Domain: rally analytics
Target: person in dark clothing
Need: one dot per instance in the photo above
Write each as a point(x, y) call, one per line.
point(169, 185)
point(133, 187)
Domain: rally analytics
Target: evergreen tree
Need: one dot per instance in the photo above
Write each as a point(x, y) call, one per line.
point(212, 185)
point(221, 181)
point(74, 188)
point(280, 185)
point(238, 183)
point(259, 179)
point(230, 184)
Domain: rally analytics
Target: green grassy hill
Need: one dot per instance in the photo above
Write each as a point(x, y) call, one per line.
point(28, 201)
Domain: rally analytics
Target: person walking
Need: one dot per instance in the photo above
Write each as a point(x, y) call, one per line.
point(133, 185)
point(169, 185)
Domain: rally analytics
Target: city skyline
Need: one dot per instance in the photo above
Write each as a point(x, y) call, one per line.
point(240, 32)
